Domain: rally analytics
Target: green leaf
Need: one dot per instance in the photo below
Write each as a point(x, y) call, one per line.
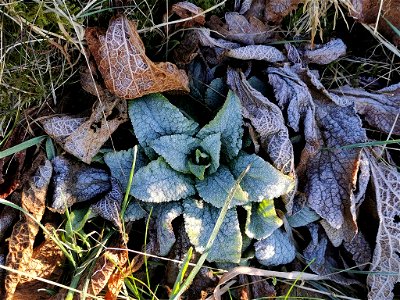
point(120, 164)
point(134, 212)
point(153, 116)
point(158, 182)
point(215, 188)
point(165, 214)
point(275, 250)
point(176, 149)
point(76, 221)
point(200, 219)
point(262, 220)
point(197, 170)
point(303, 217)
point(262, 181)
point(212, 145)
point(227, 122)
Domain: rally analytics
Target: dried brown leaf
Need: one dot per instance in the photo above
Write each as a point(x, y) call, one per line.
point(185, 10)
point(386, 259)
point(276, 10)
point(76, 182)
point(329, 172)
point(46, 262)
point(126, 70)
point(268, 121)
point(257, 52)
point(24, 232)
point(381, 109)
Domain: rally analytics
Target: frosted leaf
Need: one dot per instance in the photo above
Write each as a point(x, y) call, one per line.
point(7, 217)
point(215, 188)
point(134, 212)
point(227, 122)
point(262, 181)
point(154, 116)
point(323, 263)
point(157, 182)
point(76, 182)
point(109, 206)
point(215, 93)
point(386, 184)
point(326, 53)
point(176, 150)
point(205, 39)
point(360, 250)
point(120, 164)
point(380, 108)
point(212, 146)
point(262, 220)
point(21, 241)
point(185, 10)
point(124, 66)
point(276, 10)
point(303, 217)
point(83, 138)
point(277, 249)
point(270, 125)
point(165, 214)
point(200, 219)
point(257, 52)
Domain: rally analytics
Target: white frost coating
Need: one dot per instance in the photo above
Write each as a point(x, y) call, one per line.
point(257, 52)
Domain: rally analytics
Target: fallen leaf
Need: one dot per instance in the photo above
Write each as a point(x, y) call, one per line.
point(83, 137)
point(326, 53)
point(76, 182)
point(47, 263)
point(329, 172)
point(126, 70)
point(257, 52)
point(20, 248)
point(276, 10)
point(385, 260)
point(381, 109)
point(8, 215)
point(359, 249)
point(185, 10)
point(268, 121)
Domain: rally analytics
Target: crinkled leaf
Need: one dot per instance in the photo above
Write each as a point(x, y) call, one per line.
point(124, 66)
point(8, 217)
point(46, 263)
point(83, 138)
point(205, 39)
point(257, 52)
point(215, 93)
point(134, 212)
point(276, 10)
point(215, 188)
point(269, 123)
point(326, 53)
point(227, 122)
point(120, 164)
point(380, 109)
point(109, 206)
point(165, 214)
point(262, 220)
point(154, 116)
point(323, 263)
point(277, 249)
point(360, 250)
point(20, 244)
point(212, 146)
point(158, 182)
point(330, 122)
point(176, 150)
point(386, 184)
point(76, 182)
point(185, 9)
point(262, 181)
point(303, 217)
point(200, 219)
point(197, 170)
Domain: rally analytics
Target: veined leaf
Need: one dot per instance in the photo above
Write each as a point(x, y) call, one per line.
point(257, 52)
point(200, 219)
point(212, 145)
point(227, 122)
point(157, 182)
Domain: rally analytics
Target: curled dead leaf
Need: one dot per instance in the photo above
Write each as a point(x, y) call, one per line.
point(185, 10)
point(20, 248)
point(126, 70)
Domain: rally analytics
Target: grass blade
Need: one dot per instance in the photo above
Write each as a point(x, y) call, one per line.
point(22, 146)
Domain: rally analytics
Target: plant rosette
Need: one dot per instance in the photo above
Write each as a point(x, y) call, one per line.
point(191, 171)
